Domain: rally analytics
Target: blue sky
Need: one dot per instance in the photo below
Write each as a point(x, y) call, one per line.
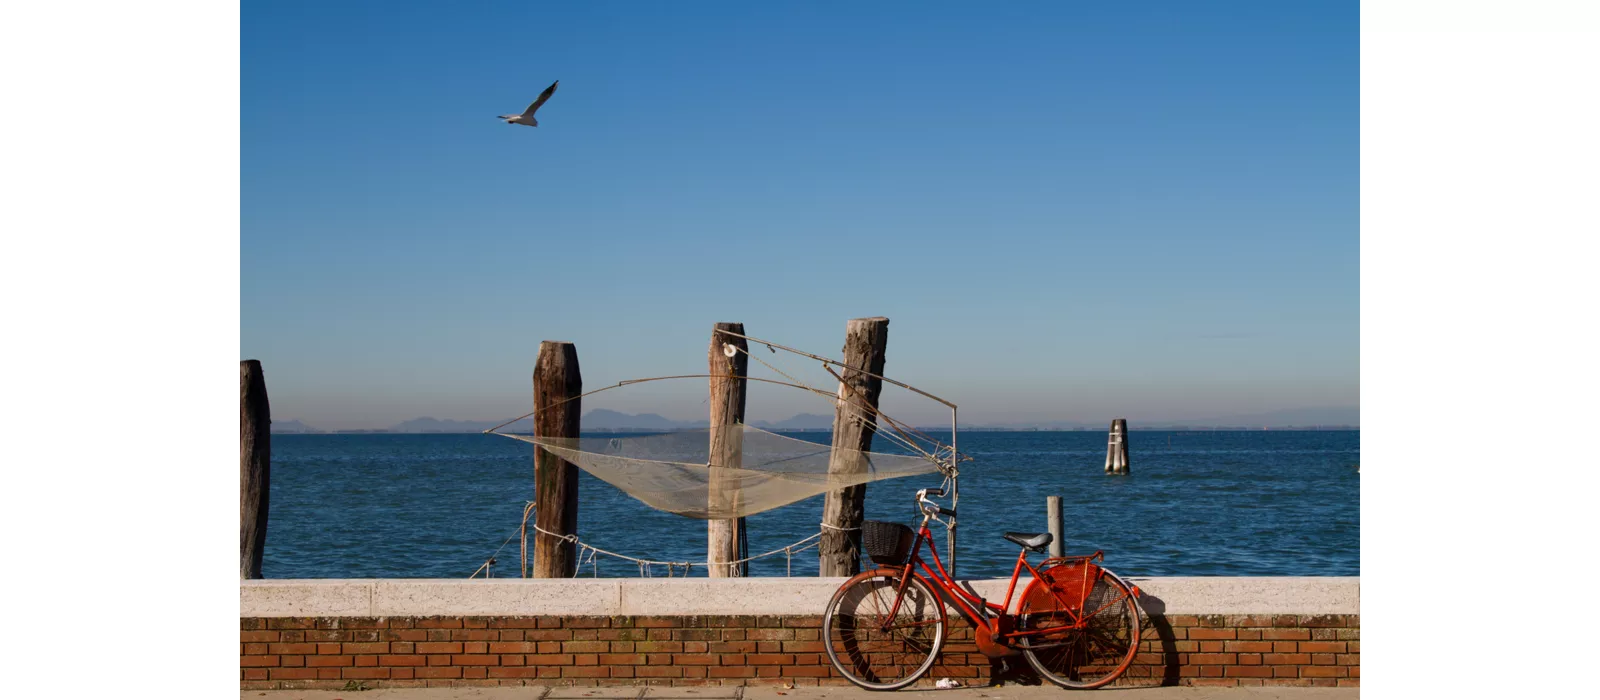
point(1068, 212)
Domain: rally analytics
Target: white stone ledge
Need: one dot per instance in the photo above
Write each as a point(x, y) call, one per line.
point(753, 596)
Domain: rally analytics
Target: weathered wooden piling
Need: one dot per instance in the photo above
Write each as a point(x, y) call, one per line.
point(1052, 506)
point(1117, 447)
point(557, 383)
point(726, 540)
point(255, 466)
point(855, 421)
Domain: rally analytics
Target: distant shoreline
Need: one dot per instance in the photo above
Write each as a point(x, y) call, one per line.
point(1156, 429)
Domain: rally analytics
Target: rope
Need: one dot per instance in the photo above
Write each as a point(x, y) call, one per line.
point(588, 554)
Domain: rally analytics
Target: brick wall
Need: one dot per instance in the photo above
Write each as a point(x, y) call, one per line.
point(329, 652)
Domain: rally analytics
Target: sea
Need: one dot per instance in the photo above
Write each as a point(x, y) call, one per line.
point(1196, 503)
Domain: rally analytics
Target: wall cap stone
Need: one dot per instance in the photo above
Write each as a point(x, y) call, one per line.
point(1192, 595)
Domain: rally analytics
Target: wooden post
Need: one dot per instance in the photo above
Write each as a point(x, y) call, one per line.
point(255, 466)
point(555, 380)
point(855, 421)
point(1052, 506)
point(726, 540)
point(1117, 447)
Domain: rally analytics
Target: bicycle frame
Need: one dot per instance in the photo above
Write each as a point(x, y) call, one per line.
point(995, 625)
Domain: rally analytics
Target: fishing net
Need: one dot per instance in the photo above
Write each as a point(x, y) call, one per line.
point(756, 470)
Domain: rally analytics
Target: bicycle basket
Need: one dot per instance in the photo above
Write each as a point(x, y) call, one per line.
point(887, 543)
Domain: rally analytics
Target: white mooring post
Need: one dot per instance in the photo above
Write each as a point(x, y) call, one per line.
point(1058, 545)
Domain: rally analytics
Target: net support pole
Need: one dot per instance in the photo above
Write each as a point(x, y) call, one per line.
point(255, 466)
point(1058, 545)
point(1117, 447)
point(726, 540)
point(556, 384)
point(854, 424)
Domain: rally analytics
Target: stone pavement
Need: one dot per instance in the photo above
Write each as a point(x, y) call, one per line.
point(1006, 692)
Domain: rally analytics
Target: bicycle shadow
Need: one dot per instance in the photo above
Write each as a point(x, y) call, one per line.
point(1155, 617)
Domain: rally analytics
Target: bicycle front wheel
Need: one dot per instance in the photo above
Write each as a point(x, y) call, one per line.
point(873, 649)
point(1084, 648)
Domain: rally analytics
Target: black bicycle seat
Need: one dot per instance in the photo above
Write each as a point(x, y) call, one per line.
point(1034, 541)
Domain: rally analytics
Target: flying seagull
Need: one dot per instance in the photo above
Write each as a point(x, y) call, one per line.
point(526, 118)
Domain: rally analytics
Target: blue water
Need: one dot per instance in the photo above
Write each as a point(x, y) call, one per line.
point(1196, 504)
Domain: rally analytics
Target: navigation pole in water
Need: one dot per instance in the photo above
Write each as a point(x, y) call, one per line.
point(1117, 448)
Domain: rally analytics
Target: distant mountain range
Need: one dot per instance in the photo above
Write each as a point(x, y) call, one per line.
point(605, 420)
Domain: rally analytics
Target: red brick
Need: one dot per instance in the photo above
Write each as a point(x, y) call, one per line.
point(474, 635)
point(807, 671)
point(474, 647)
point(258, 660)
point(585, 672)
point(1211, 658)
point(548, 659)
point(658, 672)
point(1324, 672)
point(694, 659)
point(438, 647)
point(1208, 633)
point(1258, 647)
point(770, 634)
point(367, 660)
point(259, 636)
point(585, 647)
point(364, 647)
point(1322, 647)
point(475, 672)
point(1248, 672)
point(731, 672)
point(769, 659)
point(403, 660)
point(586, 622)
point(1286, 634)
point(439, 623)
point(622, 659)
point(1348, 659)
point(475, 660)
point(337, 660)
point(438, 672)
point(1286, 659)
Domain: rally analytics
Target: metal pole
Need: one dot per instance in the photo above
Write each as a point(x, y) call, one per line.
point(955, 492)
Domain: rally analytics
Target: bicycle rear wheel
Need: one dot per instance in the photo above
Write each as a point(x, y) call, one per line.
point(869, 648)
point(1086, 655)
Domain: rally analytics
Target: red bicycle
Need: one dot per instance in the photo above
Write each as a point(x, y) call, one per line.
point(1077, 623)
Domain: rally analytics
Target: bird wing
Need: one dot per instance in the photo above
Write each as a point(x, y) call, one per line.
point(542, 97)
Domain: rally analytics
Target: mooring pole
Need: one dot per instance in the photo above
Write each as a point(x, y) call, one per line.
point(855, 421)
point(1052, 506)
point(726, 540)
point(556, 385)
point(255, 466)
point(1117, 447)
